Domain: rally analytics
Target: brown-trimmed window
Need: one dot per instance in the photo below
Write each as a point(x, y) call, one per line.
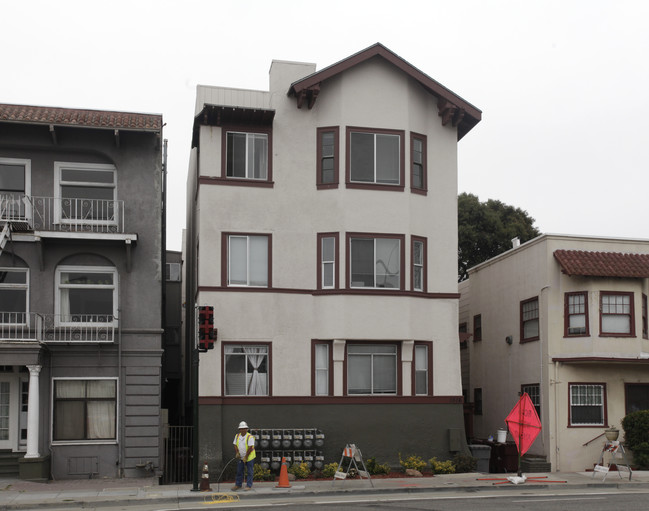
point(375, 261)
point(375, 158)
point(418, 269)
point(534, 391)
point(246, 369)
point(327, 260)
point(587, 404)
point(645, 330)
point(616, 314)
point(322, 360)
point(576, 314)
point(247, 259)
point(373, 369)
point(327, 164)
point(477, 327)
point(530, 319)
point(418, 171)
point(463, 329)
point(246, 154)
point(422, 375)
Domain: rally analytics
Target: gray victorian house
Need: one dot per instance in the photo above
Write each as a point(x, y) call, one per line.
point(81, 273)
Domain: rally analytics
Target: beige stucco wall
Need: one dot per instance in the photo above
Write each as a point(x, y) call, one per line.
point(495, 291)
point(373, 94)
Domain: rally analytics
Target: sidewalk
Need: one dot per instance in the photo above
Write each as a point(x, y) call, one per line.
point(70, 494)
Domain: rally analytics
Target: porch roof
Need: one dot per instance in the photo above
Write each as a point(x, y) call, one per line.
point(603, 264)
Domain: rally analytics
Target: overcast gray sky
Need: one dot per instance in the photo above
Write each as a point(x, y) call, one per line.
point(563, 85)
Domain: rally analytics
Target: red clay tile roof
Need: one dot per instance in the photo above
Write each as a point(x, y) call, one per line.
point(603, 264)
point(83, 118)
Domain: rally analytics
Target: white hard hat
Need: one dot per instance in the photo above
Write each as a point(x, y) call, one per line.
point(243, 424)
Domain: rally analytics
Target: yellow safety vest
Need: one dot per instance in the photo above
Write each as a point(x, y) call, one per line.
point(252, 453)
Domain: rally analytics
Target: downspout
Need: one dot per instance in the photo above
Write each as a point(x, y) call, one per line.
point(556, 419)
point(163, 296)
point(542, 363)
point(120, 380)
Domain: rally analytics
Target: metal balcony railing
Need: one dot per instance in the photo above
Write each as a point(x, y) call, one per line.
point(54, 328)
point(64, 215)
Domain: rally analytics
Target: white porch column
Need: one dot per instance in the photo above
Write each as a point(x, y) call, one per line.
point(33, 412)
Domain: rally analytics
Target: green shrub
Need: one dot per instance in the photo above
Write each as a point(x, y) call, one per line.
point(329, 470)
point(375, 468)
point(441, 467)
point(464, 463)
point(413, 462)
point(636, 437)
point(300, 470)
point(261, 474)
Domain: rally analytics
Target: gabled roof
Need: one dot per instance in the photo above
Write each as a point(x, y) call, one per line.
point(452, 108)
point(603, 264)
point(24, 114)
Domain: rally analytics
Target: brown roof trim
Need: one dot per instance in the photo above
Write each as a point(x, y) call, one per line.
point(104, 119)
point(463, 113)
point(603, 264)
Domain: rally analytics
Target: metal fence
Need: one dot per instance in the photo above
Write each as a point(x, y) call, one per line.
point(177, 454)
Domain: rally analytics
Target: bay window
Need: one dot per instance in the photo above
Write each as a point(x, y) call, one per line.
point(616, 317)
point(375, 261)
point(421, 370)
point(418, 276)
point(327, 255)
point(375, 157)
point(576, 314)
point(322, 370)
point(327, 163)
point(418, 163)
point(371, 369)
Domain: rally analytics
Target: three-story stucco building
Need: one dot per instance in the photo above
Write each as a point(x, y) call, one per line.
point(322, 228)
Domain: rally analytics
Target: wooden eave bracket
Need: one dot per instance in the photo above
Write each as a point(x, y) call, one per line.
point(53, 133)
point(128, 256)
point(310, 95)
point(116, 138)
point(450, 112)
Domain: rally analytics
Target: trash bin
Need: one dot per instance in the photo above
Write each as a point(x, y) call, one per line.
point(482, 453)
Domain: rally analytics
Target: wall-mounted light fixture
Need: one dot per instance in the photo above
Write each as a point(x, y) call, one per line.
point(509, 339)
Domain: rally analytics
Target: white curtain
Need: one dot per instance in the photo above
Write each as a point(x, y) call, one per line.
point(101, 419)
point(258, 382)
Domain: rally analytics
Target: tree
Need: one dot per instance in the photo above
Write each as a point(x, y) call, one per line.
point(485, 229)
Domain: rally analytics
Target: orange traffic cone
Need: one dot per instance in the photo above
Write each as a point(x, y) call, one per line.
point(283, 475)
point(205, 479)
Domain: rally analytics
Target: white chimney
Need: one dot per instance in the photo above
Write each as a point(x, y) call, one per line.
point(516, 242)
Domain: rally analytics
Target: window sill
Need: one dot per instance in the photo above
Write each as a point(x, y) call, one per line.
point(419, 191)
point(84, 442)
point(576, 336)
point(375, 186)
point(626, 336)
point(531, 339)
point(326, 186)
point(233, 181)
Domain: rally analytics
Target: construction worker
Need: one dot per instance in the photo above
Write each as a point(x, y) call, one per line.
point(244, 446)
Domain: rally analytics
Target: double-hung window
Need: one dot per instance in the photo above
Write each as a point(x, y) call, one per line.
point(322, 360)
point(530, 319)
point(576, 314)
point(375, 157)
point(371, 369)
point(421, 370)
point(418, 248)
point(85, 193)
point(616, 317)
point(246, 369)
point(587, 405)
point(645, 327)
point(477, 327)
point(15, 179)
point(85, 410)
point(14, 286)
point(86, 295)
point(534, 391)
point(418, 162)
point(375, 262)
point(248, 260)
point(327, 164)
point(247, 155)
point(327, 267)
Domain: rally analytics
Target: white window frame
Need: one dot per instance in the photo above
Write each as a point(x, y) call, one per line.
point(601, 404)
point(249, 171)
point(28, 182)
point(59, 167)
point(247, 238)
point(85, 269)
point(107, 441)
point(24, 286)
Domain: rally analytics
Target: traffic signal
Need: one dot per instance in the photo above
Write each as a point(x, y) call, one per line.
point(206, 332)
